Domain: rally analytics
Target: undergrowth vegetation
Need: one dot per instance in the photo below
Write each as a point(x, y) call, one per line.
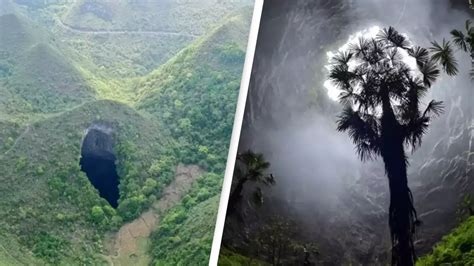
point(456, 248)
point(184, 236)
point(230, 258)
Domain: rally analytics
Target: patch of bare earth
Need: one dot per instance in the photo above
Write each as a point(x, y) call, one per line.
point(130, 244)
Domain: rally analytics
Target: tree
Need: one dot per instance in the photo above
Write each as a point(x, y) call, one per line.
point(382, 113)
point(97, 214)
point(443, 53)
point(249, 166)
point(279, 243)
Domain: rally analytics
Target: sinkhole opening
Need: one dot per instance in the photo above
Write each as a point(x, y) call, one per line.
point(98, 162)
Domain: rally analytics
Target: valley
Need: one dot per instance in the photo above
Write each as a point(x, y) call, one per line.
point(134, 99)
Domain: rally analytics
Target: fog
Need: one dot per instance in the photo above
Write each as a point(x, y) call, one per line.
point(289, 116)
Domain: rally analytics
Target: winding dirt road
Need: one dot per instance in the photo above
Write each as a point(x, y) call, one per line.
point(74, 29)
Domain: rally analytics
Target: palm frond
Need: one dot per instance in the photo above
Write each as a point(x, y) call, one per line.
point(415, 130)
point(340, 75)
point(394, 55)
point(254, 163)
point(363, 130)
point(417, 84)
point(420, 54)
point(360, 48)
point(409, 106)
point(269, 180)
point(435, 108)
point(347, 97)
point(342, 57)
point(443, 54)
point(459, 39)
point(392, 36)
point(430, 72)
point(376, 52)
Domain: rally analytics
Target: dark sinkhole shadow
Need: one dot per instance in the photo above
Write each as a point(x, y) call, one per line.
point(98, 162)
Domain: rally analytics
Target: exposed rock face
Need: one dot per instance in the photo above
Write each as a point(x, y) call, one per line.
point(99, 142)
point(444, 177)
point(98, 161)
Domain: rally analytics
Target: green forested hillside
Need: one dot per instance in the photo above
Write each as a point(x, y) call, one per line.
point(35, 76)
point(129, 38)
point(42, 184)
point(151, 15)
point(230, 258)
point(185, 235)
point(198, 107)
point(456, 248)
point(56, 82)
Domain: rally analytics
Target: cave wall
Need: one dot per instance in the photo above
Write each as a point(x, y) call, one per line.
point(98, 161)
point(99, 142)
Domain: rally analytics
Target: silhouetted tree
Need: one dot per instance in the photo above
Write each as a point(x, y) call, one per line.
point(249, 166)
point(279, 243)
point(443, 53)
point(382, 114)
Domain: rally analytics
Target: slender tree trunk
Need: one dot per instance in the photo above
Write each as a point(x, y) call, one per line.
point(472, 62)
point(402, 214)
point(236, 195)
point(470, 115)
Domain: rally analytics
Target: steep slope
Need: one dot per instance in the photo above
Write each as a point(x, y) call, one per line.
point(35, 77)
point(42, 183)
point(185, 234)
point(47, 81)
point(17, 35)
point(130, 38)
point(195, 93)
point(456, 248)
point(146, 15)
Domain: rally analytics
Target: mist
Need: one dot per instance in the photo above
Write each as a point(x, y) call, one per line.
point(291, 120)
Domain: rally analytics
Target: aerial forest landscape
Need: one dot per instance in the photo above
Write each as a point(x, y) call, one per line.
point(357, 140)
point(115, 123)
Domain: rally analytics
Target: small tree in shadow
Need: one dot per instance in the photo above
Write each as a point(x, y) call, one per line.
point(278, 243)
point(249, 167)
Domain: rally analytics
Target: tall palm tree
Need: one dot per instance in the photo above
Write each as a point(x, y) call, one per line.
point(443, 53)
point(383, 116)
point(250, 166)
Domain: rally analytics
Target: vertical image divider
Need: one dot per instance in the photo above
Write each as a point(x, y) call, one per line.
point(234, 142)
